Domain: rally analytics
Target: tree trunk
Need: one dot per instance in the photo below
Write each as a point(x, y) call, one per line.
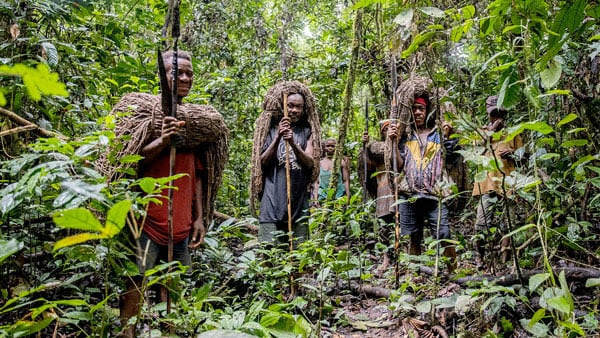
point(347, 104)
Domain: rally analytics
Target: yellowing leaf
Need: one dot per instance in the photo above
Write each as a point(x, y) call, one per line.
point(115, 220)
point(76, 239)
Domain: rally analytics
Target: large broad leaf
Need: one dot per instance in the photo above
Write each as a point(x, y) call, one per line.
point(551, 75)
point(76, 239)
point(568, 20)
point(539, 126)
point(509, 92)
point(115, 220)
point(80, 218)
point(8, 248)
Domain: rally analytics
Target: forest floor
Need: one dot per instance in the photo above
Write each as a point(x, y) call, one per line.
point(370, 316)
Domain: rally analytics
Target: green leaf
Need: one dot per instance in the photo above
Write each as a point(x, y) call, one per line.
point(76, 239)
point(551, 75)
point(24, 327)
point(591, 282)
point(38, 81)
point(567, 119)
point(80, 218)
point(574, 143)
point(509, 92)
point(147, 184)
point(559, 303)
point(51, 53)
point(417, 41)
point(537, 329)
point(468, 11)
point(433, 11)
point(536, 280)
point(567, 21)
point(424, 307)
point(456, 33)
point(539, 126)
point(270, 318)
point(548, 156)
point(537, 316)
point(116, 217)
point(7, 248)
point(365, 3)
point(130, 159)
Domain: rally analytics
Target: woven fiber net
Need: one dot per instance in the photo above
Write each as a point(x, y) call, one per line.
point(270, 116)
point(139, 121)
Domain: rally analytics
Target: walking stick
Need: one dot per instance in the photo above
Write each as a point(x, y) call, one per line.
point(288, 183)
point(169, 106)
point(394, 117)
point(288, 179)
point(365, 150)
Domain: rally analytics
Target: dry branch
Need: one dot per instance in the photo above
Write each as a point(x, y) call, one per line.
point(18, 119)
point(16, 130)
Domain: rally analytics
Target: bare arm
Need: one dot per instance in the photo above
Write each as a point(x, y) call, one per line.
point(198, 229)
point(393, 134)
point(346, 177)
point(304, 156)
point(170, 127)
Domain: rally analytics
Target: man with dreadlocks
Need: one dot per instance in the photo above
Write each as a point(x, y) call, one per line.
point(200, 136)
point(301, 130)
point(421, 162)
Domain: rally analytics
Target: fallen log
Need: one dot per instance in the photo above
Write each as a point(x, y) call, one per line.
point(573, 273)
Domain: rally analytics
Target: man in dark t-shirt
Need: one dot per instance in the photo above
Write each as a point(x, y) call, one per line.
point(273, 202)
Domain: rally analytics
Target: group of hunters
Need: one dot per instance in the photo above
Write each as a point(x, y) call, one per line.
point(290, 161)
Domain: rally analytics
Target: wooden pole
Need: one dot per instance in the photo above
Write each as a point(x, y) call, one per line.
point(288, 183)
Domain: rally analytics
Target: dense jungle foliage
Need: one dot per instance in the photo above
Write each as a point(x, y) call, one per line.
point(64, 64)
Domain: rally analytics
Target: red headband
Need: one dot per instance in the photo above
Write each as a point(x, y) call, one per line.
point(421, 100)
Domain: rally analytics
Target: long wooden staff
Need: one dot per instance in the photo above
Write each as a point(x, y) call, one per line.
point(366, 179)
point(288, 179)
point(394, 117)
point(174, 5)
point(288, 183)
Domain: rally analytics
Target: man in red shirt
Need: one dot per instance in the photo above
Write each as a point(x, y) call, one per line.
point(190, 207)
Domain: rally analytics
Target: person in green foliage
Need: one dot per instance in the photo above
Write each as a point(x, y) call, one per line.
point(378, 188)
point(270, 157)
point(491, 206)
point(422, 163)
point(321, 186)
point(201, 152)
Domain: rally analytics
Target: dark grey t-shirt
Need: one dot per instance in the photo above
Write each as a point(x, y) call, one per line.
point(273, 203)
